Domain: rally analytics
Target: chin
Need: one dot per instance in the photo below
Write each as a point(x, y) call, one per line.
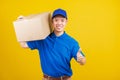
point(59, 30)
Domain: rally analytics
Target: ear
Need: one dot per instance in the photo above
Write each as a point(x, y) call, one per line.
point(66, 20)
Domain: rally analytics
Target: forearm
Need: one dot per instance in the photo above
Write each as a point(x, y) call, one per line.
point(24, 44)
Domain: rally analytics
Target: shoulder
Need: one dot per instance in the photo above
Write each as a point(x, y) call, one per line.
point(71, 39)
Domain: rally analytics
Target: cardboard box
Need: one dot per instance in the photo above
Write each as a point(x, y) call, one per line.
point(33, 27)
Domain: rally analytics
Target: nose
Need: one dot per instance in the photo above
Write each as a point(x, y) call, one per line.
point(59, 22)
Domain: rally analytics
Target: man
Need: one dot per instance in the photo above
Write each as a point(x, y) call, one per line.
point(57, 50)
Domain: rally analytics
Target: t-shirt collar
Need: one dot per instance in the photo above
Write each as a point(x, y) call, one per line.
point(61, 36)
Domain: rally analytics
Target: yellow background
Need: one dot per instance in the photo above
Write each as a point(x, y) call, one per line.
point(93, 23)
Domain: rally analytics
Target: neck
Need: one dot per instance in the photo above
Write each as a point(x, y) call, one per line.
point(58, 33)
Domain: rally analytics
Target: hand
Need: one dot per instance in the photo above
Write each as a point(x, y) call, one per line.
point(20, 17)
point(80, 58)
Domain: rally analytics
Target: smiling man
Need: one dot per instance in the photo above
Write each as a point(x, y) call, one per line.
point(57, 50)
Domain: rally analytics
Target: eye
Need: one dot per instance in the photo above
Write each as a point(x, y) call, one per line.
point(55, 20)
point(62, 20)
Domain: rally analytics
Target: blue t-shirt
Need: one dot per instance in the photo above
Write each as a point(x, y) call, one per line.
point(56, 53)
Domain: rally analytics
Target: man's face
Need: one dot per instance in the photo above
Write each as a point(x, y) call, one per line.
point(59, 23)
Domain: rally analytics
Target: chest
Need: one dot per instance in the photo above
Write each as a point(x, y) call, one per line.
point(58, 46)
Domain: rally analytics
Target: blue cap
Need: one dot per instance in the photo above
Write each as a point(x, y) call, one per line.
point(59, 12)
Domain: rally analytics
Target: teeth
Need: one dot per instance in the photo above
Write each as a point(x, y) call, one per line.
point(58, 26)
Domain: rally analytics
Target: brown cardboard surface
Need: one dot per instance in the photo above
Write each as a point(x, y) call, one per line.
point(33, 27)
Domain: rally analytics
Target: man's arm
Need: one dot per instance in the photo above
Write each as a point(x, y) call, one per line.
point(23, 44)
point(81, 58)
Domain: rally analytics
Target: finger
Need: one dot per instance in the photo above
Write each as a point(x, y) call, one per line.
point(21, 17)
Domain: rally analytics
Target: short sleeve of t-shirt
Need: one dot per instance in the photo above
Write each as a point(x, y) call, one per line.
point(75, 49)
point(34, 44)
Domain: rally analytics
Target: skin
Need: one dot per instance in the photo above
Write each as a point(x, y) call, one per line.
point(59, 24)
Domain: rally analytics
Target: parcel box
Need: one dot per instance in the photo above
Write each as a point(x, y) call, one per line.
point(33, 27)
